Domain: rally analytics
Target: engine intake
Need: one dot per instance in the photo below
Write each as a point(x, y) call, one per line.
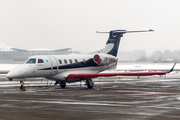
point(97, 59)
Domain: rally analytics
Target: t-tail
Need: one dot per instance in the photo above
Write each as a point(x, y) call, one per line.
point(112, 44)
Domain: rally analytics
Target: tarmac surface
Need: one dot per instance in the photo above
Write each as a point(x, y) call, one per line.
point(112, 98)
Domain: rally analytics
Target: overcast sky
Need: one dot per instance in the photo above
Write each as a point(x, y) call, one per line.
point(56, 24)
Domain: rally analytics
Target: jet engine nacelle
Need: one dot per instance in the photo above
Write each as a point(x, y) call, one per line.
point(104, 59)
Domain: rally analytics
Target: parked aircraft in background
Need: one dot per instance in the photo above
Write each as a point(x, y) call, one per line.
point(72, 68)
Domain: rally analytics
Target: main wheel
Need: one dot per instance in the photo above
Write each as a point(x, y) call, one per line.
point(62, 84)
point(89, 83)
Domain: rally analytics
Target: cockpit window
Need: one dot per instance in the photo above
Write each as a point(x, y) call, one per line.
point(40, 61)
point(31, 61)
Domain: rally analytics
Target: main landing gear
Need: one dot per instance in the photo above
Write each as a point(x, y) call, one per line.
point(89, 83)
point(61, 84)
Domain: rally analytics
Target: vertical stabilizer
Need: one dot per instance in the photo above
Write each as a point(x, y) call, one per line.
point(112, 44)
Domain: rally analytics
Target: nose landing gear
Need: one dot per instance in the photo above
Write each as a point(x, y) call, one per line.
point(22, 87)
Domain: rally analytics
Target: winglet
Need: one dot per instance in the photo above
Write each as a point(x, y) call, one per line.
point(172, 68)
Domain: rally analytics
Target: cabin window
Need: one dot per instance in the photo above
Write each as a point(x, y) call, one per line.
point(70, 61)
point(65, 61)
point(31, 61)
point(40, 61)
point(60, 62)
point(76, 61)
point(105, 59)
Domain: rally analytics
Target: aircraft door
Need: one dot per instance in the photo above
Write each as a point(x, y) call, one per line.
point(54, 65)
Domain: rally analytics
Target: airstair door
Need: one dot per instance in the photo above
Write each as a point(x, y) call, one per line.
point(54, 65)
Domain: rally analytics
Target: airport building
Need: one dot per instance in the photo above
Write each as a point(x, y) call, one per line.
point(16, 55)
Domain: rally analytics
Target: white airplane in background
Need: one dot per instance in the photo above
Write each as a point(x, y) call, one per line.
point(72, 68)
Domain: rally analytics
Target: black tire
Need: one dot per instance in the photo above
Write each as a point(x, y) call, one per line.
point(21, 87)
point(89, 85)
point(62, 84)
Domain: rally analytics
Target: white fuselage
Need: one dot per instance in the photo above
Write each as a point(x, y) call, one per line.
point(58, 67)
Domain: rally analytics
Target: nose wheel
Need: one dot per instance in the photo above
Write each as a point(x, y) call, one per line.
point(22, 87)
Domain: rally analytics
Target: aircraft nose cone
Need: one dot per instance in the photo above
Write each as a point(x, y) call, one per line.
point(8, 75)
point(13, 74)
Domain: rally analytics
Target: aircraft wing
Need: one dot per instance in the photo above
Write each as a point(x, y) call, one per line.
point(94, 75)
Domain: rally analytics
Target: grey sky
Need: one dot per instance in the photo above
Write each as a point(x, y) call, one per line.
point(58, 24)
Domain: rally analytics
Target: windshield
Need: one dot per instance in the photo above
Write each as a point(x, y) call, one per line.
point(31, 61)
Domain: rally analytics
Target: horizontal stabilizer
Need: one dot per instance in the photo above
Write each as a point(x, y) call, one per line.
point(124, 31)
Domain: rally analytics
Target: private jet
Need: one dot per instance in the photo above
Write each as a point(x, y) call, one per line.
point(75, 67)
